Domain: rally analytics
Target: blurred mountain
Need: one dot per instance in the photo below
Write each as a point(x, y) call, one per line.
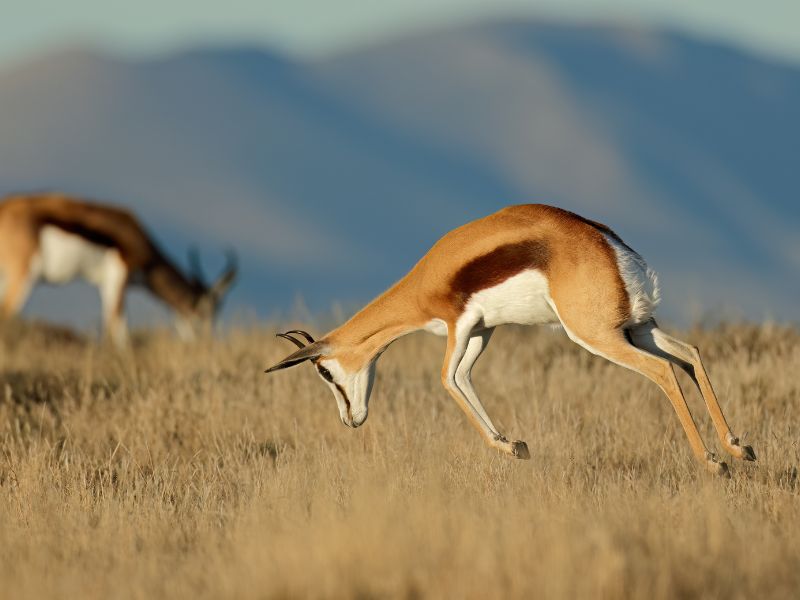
point(333, 177)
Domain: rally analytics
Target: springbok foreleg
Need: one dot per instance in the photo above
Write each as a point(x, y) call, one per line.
point(463, 346)
point(475, 346)
point(112, 294)
point(649, 337)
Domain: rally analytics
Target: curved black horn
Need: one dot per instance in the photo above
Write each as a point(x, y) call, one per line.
point(305, 334)
point(286, 336)
point(310, 352)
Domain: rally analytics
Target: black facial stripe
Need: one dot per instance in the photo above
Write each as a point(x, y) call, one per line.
point(346, 400)
point(326, 374)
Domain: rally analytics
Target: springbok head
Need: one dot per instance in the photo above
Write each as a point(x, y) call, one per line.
point(351, 387)
point(209, 295)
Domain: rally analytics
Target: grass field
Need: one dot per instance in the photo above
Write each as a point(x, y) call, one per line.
point(184, 471)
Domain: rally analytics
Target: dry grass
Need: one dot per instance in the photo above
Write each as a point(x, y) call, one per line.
point(185, 472)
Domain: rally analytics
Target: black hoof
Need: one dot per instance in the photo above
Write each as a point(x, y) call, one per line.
point(748, 454)
point(717, 467)
point(520, 450)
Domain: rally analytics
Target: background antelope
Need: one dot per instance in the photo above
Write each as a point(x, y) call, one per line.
point(526, 264)
point(58, 239)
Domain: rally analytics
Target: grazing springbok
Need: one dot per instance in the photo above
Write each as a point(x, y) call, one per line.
point(57, 239)
point(525, 264)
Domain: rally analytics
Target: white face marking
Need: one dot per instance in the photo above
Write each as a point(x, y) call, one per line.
point(641, 282)
point(351, 390)
point(523, 299)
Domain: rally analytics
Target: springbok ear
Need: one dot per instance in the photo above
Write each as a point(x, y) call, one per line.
point(309, 352)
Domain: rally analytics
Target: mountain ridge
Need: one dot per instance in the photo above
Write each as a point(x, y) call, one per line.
point(333, 176)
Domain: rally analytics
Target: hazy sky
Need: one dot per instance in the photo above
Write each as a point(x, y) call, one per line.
point(315, 26)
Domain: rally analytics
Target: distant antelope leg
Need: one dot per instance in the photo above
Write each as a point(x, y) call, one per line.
point(112, 293)
point(17, 289)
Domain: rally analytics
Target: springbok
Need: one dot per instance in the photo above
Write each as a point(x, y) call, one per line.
point(525, 264)
point(58, 239)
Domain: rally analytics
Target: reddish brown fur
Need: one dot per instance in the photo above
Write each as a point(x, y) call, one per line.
point(495, 267)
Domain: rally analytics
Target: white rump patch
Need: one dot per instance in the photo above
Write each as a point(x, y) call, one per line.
point(641, 282)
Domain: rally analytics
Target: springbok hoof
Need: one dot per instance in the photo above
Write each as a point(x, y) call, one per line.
point(519, 449)
point(737, 451)
point(717, 467)
point(748, 454)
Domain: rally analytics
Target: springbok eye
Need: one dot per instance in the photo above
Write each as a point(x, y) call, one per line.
point(325, 374)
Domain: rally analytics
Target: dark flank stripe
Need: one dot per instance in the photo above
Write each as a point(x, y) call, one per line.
point(498, 265)
point(90, 234)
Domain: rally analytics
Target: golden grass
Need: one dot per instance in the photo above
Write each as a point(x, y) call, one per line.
point(184, 471)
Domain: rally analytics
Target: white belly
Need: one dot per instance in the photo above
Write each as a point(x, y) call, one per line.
point(64, 257)
point(523, 299)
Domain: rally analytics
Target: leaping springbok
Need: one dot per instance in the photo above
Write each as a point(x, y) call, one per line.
point(58, 239)
point(526, 264)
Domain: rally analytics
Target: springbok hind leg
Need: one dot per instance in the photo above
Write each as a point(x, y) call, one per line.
point(16, 290)
point(614, 346)
point(652, 339)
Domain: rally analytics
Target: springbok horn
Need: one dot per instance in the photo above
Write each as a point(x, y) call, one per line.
point(286, 336)
point(310, 352)
point(305, 334)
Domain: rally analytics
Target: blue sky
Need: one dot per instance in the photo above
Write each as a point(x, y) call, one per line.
point(319, 27)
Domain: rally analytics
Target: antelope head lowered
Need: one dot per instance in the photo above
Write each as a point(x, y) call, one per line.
point(350, 387)
point(209, 294)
